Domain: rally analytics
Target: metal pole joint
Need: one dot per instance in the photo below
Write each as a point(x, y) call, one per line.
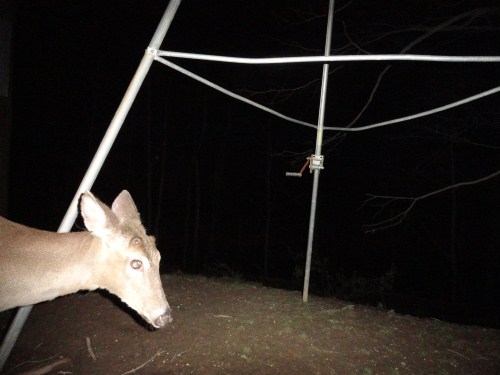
point(152, 52)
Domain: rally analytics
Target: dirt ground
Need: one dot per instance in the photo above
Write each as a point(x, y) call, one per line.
point(231, 327)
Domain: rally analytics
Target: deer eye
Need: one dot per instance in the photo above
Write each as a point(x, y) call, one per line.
point(136, 264)
point(136, 241)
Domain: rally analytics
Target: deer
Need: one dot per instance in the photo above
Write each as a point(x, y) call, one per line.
point(115, 254)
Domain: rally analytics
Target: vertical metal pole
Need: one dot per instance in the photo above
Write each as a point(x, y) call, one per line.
point(319, 141)
point(98, 160)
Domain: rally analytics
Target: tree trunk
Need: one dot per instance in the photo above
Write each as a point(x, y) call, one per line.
point(453, 225)
point(267, 230)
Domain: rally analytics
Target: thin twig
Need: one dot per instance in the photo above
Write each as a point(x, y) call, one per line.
point(179, 354)
point(34, 362)
point(47, 368)
point(145, 363)
point(461, 355)
point(89, 348)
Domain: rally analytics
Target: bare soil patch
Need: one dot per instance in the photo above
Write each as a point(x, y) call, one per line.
point(231, 327)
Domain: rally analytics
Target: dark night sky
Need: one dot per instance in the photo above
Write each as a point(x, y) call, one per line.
point(208, 172)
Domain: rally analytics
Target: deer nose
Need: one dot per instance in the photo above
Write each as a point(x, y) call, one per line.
point(164, 319)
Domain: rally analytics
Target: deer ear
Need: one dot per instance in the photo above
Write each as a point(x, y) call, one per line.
point(124, 207)
point(97, 216)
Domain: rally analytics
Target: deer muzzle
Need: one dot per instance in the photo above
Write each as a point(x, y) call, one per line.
point(164, 319)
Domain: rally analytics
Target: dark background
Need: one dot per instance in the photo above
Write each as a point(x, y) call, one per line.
point(208, 172)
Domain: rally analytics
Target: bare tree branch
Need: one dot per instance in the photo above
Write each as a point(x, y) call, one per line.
point(472, 14)
point(283, 94)
point(384, 201)
point(458, 139)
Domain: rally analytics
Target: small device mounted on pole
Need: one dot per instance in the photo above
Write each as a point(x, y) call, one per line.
point(314, 162)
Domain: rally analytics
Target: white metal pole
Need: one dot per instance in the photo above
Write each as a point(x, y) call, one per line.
point(98, 160)
point(316, 162)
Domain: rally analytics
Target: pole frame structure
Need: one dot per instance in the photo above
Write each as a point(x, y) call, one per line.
point(99, 158)
point(316, 160)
